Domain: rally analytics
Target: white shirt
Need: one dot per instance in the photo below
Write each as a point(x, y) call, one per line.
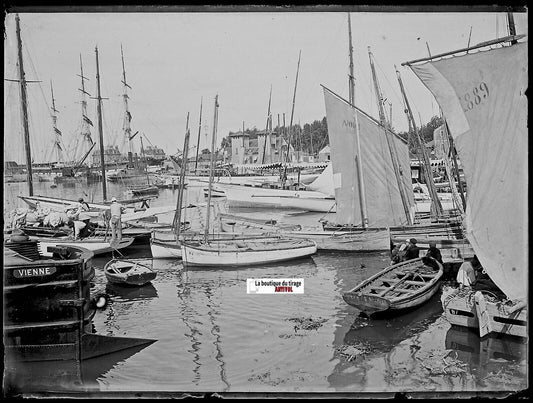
point(466, 274)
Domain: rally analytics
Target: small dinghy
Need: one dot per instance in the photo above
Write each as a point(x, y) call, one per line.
point(129, 272)
point(399, 286)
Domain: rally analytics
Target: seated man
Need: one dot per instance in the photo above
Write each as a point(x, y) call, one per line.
point(466, 276)
point(434, 252)
point(413, 251)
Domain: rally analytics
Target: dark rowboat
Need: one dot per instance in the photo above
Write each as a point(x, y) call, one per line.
point(134, 272)
point(397, 287)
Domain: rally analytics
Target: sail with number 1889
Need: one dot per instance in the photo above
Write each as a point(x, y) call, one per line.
point(482, 95)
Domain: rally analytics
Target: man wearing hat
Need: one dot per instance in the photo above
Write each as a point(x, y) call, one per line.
point(412, 251)
point(116, 220)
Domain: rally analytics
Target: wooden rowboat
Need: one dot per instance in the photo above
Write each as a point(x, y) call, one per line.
point(128, 272)
point(399, 286)
point(245, 252)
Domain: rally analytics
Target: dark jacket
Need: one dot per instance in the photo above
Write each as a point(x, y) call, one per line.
point(435, 254)
point(412, 252)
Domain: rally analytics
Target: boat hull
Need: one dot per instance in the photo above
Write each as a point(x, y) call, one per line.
point(248, 196)
point(211, 256)
point(371, 240)
point(165, 249)
point(55, 323)
point(459, 305)
point(382, 292)
point(97, 246)
point(129, 273)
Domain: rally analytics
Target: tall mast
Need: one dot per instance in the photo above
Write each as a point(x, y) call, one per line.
point(358, 161)
point(390, 141)
point(268, 125)
point(127, 115)
point(177, 216)
point(24, 109)
point(436, 207)
point(199, 130)
point(57, 132)
point(85, 121)
point(351, 77)
point(100, 126)
point(292, 109)
point(512, 29)
point(457, 198)
point(211, 169)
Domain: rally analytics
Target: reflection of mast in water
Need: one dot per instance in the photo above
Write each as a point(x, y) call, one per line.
point(185, 291)
point(215, 331)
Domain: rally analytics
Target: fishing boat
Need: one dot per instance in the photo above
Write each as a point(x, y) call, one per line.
point(97, 245)
point(170, 248)
point(60, 203)
point(134, 272)
point(259, 196)
point(483, 97)
point(232, 223)
point(400, 286)
point(234, 252)
point(142, 190)
point(55, 323)
point(245, 252)
point(215, 192)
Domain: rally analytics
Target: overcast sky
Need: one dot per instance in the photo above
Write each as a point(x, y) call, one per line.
point(174, 59)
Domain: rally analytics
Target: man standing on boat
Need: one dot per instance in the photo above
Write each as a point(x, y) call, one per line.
point(116, 220)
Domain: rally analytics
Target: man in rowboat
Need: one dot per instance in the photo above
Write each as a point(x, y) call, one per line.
point(412, 251)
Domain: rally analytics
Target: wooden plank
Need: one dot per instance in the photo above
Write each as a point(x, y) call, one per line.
point(412, 282)
point(389, 289)
point(482, 314)
point(403, 280)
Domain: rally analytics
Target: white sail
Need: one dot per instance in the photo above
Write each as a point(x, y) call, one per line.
point(324, 182)
point(383, 199)
point(483, 99)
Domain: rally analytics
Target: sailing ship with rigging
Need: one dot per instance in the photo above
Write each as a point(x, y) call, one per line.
point(482, 96)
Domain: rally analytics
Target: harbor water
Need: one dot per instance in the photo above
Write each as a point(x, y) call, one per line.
point(214, 337)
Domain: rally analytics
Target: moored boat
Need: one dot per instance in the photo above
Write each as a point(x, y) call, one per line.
point(491, 127)
point(55, 323)
point(97, 245)
point(237, 224)
point(257, 196)
point(245, 252)
point(483, 310)
point(400, 286)
point(134, 272)
point(362, 240)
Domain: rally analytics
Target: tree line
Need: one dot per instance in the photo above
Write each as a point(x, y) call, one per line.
point(313, 137)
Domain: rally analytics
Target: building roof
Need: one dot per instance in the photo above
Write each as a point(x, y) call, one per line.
point(325, 150)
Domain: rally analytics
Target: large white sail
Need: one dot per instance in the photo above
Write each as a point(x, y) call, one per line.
point(483, 99)
point(383, 199)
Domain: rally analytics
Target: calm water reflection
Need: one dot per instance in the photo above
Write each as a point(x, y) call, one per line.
point(213, 336)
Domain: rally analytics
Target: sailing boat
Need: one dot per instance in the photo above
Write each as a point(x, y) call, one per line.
point(171, 248)
point(482, 95)
point(135, 170)
point(278, 195)
point(98, 245)
point(222, 253)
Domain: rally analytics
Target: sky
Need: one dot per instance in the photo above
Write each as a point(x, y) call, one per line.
point(175, 61)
